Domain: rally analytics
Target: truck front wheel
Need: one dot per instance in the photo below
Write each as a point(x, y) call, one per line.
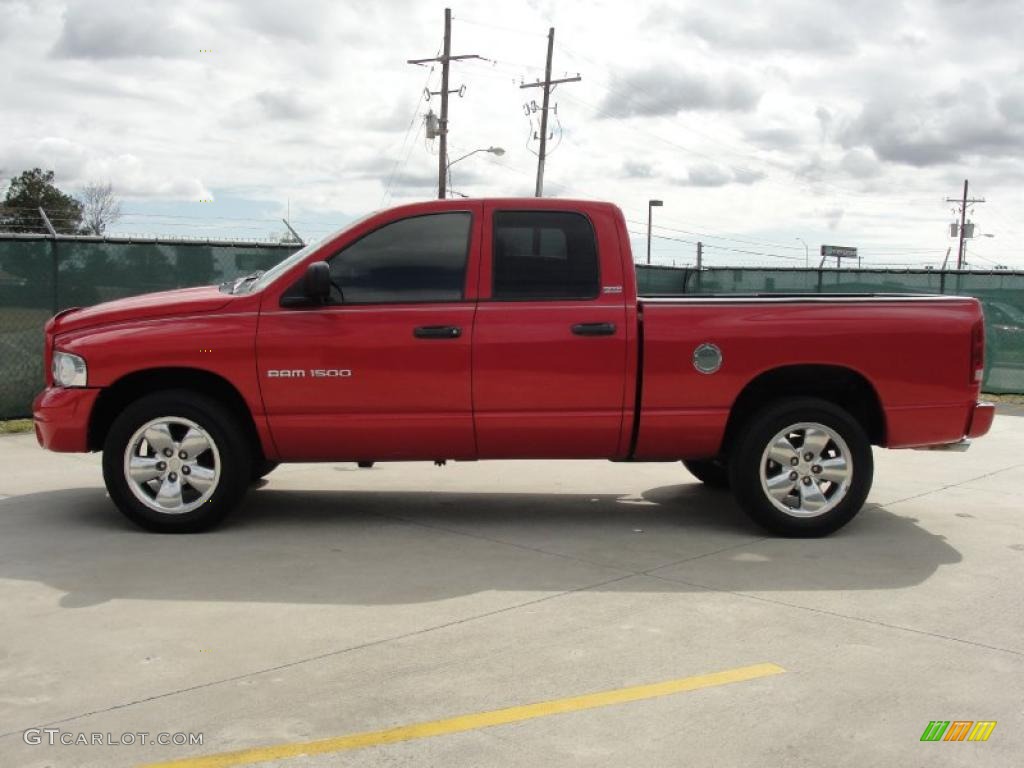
point(802, 468)
point(261, 468)
point(176, 462)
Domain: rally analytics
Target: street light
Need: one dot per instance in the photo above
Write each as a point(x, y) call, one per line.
point(807, 254)
point(651, 205)
point(492, 150)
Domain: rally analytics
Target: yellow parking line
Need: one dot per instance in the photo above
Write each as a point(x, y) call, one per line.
point(474, 721)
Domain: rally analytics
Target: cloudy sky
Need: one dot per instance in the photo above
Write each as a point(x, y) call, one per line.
point(756, 123)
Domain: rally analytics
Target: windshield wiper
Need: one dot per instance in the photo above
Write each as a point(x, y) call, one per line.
point(233, 286)
point(249, 278)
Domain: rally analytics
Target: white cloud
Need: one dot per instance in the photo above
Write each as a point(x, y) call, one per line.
point(937, 128)
point(803, 30)
point(131, 178)
point(860, 164)
point(664, 90)
point(101, 29)
point(739, 116)
point(637, 170)
point(833, 217)
point(75, 165)
point(715, 175)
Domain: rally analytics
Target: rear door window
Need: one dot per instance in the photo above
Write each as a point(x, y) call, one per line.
point(544, 255)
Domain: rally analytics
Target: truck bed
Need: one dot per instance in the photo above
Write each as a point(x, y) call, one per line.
point(910, 352)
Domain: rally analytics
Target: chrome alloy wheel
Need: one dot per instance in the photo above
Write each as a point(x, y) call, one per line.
point(806, 470)
point(172, 465)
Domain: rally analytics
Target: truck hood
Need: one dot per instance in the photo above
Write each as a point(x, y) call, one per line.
point(184, 301)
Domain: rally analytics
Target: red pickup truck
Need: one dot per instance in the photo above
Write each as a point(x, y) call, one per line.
point(503, 329)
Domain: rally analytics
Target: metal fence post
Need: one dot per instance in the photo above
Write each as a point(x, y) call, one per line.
point(53, 256)
point(55, 266)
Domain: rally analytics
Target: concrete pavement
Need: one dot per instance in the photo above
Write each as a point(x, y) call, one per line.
point(340, 601)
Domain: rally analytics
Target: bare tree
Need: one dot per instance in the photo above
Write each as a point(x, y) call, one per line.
point(100, 208)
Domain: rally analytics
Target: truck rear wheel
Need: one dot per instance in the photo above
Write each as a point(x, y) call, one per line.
point(714, 473)
point(176, 462)
point(802, 468)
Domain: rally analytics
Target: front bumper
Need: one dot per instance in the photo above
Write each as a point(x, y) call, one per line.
point(61, 418)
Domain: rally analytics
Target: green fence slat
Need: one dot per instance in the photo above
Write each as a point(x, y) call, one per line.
point(38, 277)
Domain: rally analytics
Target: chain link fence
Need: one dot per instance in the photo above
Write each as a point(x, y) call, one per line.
point(41, 275)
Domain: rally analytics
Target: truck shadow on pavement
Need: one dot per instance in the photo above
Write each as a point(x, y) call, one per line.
point(374, 548)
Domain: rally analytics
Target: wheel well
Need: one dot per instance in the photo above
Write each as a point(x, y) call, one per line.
point(113, 399)
point(842, 386)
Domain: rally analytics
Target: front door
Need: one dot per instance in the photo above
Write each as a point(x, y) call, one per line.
point(383, 371)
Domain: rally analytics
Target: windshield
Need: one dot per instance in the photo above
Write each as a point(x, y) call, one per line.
point(283, 266)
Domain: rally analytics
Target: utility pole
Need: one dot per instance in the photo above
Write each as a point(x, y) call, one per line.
point(442, 166)
point(548, 85)
point(807, 253)
point(700, 262)
point(963, 220)
point(445, 58)
point(651, 205)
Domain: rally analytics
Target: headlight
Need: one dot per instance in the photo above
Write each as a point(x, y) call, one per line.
point(69, 370)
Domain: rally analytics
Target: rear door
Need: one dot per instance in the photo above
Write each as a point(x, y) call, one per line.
point(550, 338)
point(383, 370)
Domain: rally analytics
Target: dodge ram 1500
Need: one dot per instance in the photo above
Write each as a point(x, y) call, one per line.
point(503, 329)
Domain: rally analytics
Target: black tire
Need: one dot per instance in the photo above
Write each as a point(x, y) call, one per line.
point(261, 468)
point(221, 427)
point(746, 464)
point(714, 473)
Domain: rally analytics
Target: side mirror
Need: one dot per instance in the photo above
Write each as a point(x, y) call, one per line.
point(316, 283)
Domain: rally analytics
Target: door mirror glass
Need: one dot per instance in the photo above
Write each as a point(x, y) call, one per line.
point(316, 284)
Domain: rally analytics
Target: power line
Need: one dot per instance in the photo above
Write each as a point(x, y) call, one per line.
point(722, 237)
point(464, 20)
point(753, 253)
point(887, 249)
point(762, 177)
point(717, 247)
point(732, 150)
point(614, 91)
point(140, 214)
point(193, 218)
point(976, 255)
point(408, 131)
